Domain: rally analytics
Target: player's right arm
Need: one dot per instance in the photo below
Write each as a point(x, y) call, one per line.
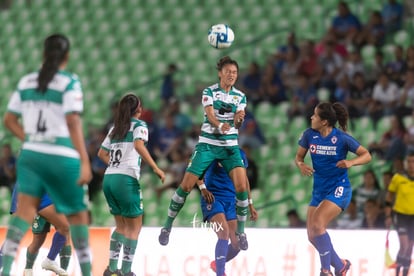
point(140, 147)
point(11, 122)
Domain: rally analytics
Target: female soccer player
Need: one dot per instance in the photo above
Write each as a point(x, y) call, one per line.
point(224, 109)
point(222, 212)
point(123, 149)
point(328, 147)
point(400, 209)
point(53, 158)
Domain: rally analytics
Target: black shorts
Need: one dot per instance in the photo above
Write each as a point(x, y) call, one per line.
point(404, 224)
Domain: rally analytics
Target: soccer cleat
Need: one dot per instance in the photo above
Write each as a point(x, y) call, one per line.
point(328, 273)
point(164, 236)
point(242, 239)
point(28, 272)
point(108, 272)
point(345, 268)
point(213, 267)
point(51, 265)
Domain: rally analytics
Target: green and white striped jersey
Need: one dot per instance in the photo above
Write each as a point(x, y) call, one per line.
point(124, 159)
point(225, 105)
point(43, 114)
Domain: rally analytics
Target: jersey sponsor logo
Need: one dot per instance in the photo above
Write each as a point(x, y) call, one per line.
point(205, 99)
point(322, 150)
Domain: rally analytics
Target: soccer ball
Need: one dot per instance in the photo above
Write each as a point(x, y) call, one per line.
point(220, 36)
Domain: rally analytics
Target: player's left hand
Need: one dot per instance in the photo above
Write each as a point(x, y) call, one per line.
point(253, 213)
point(207, 195)
point(344, 164)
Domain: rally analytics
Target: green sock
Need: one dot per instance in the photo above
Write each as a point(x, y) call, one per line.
point(241, 210)
point(30, 259)
point(80, 240)
point(115, 245)
point(128, 257)
point(64, 255)
point(177, 202)
point(16, 230)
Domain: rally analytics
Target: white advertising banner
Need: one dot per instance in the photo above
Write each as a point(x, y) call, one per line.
point(272, 252)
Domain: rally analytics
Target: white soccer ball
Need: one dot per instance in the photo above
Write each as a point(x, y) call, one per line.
point(220, 36)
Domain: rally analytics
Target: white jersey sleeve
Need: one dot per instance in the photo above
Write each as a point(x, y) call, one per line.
point(15, 104)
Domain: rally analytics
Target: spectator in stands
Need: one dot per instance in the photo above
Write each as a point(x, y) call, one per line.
point(351, 218)
point(375, 71)
point(168, 84)
point(294, 219)
point(374, 217)
point(289, 70)
point(369, 189)
point(304, 98)
point(339, 47)
point(308, 62)
point(409, 137)
point(397, 66)
point(392, 13)
point(342, 90)
point(169, 137)
point(182, 121)
point(282, 51)
point(406, 101)
point(345, 25)
point(252, 170)
point(385, 98)
point(93, 143)
point(359, 96)
point(175, 171)
point(373, 32)
point(271, 87)
point(247, 135)
point(332, 67)
point(251, 83)
point(386, 180)
point(409, 57)
point(392, 147)
point(354, 64)
point(7, 167)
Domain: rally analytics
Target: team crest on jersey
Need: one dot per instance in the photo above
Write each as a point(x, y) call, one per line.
point(235, 100)
point(312, 148)
point(334, 140)
point(209, 207)
point(143, 131)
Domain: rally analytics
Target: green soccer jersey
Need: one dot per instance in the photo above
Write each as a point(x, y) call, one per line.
point(225, 105)
point(43, 114)
point(124, 159)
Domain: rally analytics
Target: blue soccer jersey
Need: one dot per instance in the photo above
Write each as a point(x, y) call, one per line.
point(325, 152)
point(218, 182)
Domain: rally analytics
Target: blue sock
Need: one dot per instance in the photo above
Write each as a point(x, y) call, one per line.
point(57, 243)
point(231, 252)
point(221, 253)
point(335, 260)
point(324, 246)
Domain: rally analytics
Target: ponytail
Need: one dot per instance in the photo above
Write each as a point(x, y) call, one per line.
point(56, 48)
point(341, 115)
point(333, 113)
point(128, 106)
